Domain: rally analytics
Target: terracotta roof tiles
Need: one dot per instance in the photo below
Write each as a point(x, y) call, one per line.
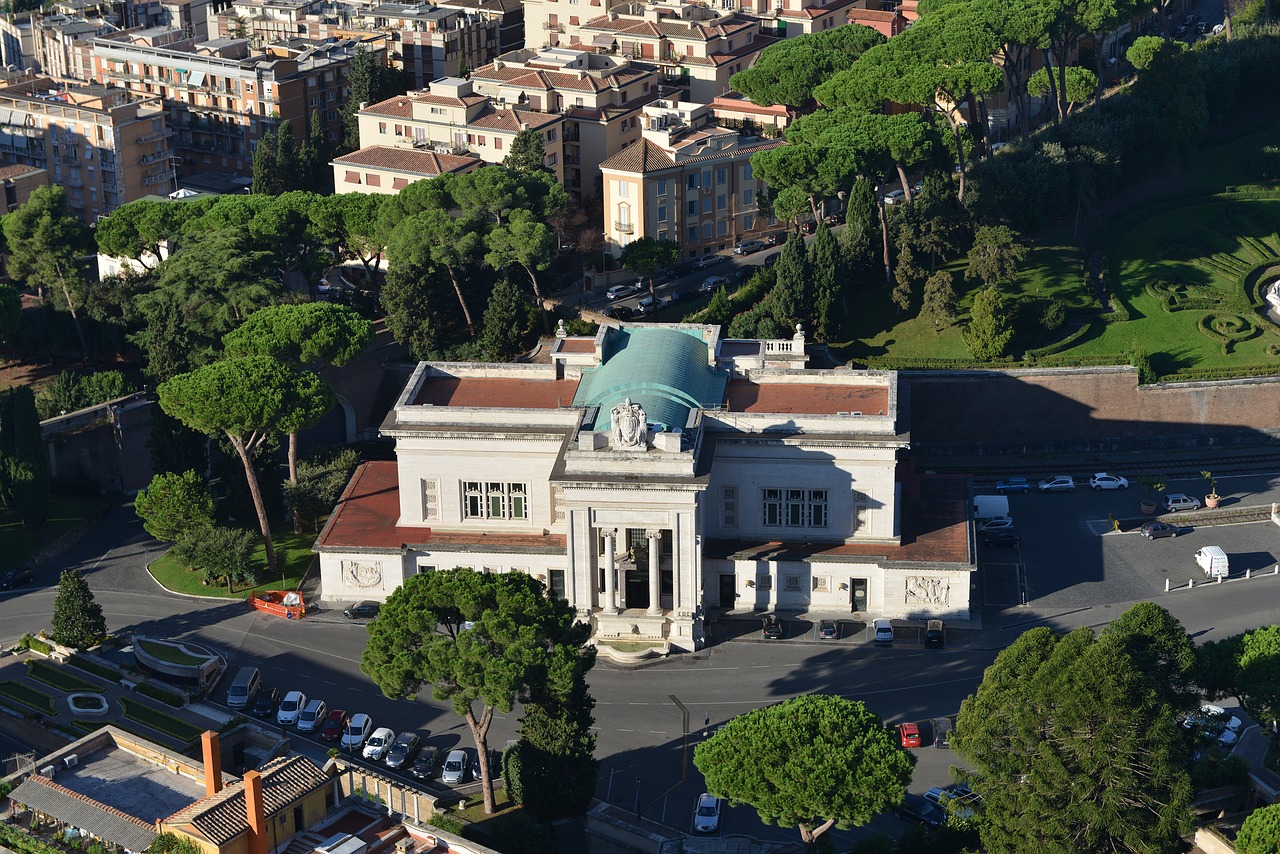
point(407, 160)
point(643, 156)
point(221, 817)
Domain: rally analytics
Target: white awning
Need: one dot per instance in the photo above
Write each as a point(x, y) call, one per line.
point(196, 78)
point(603, 40)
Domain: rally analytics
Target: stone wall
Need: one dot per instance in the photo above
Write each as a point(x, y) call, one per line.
point(1064, 410)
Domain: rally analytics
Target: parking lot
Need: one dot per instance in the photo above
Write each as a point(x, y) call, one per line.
point(1071, 556)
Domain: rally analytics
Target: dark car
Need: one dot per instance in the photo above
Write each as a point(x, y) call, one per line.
point(425, 766)
point(334, 724)
point(403, 750)
point(746, 271)
point(942, 729)
point(1008, 538)
point(365, 610)
point(772, 628)
point(16, 577)
point(934, 635)
point(1156, 530)
point(828, 630)
point(917, 809)
point(770, 260)
point(809, 227)
point(619, 312)
point(265, 705)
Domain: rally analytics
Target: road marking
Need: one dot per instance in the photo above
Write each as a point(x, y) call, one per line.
point(626, 730)
point(656, 732)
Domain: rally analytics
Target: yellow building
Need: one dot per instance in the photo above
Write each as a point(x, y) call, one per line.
point(687, 181)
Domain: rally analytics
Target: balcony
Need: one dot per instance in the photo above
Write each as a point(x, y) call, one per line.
point(154, 136)
point(624, 227)
point(73, 179)
point(555, 28)
point(155, 158)
point(160, 178)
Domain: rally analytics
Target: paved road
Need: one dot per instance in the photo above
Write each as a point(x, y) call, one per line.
point(1077, 575)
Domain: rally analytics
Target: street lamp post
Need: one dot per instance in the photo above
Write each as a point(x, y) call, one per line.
point(636, 808)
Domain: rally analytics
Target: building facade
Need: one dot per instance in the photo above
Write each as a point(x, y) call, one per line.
point(105, 146)
point(653, 475)
point(453, 119)
point(222, 96)
point(388, 170)
point(686, 180)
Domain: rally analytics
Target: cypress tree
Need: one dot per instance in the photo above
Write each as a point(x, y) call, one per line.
point(266, 179)
point(286, 158)
point(24, 466)
point(829, 275)
point(77, 617)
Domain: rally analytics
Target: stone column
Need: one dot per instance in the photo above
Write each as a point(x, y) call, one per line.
point(655, 574)
point(610, 570)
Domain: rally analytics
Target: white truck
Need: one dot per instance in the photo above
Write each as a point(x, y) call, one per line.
point(990, 506)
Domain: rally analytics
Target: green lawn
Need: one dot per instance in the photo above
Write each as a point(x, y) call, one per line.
point(58, 677)
point(293, 549)
point(159, 721)
point(19, 544)
point(170, 653)
point(23, 695)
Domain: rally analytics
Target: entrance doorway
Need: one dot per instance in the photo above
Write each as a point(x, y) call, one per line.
point(637, 588)
point(858, 595)
point(728, 591)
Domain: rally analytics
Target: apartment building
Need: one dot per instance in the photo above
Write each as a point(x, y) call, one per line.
point(600, 96)
point(19, 181)
point(695, 48)
point(222, 95)
point(388, 170)
point(104, 146)
point(426, 41)
point(452, 118)
point(63, 44)
point(686, 180)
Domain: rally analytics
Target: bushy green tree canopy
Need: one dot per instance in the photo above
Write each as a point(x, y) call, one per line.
point(173, 504)
point(77, 616)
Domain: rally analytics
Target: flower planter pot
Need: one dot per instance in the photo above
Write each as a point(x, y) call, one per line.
point(1149, 507)
point(1212, 501)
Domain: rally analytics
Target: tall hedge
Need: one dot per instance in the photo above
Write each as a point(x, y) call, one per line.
point(24, 466)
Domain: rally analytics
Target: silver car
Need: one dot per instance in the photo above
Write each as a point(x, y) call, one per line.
point(455, 768)
point(1175, 501)
point(706, 815)
point(1057, 483)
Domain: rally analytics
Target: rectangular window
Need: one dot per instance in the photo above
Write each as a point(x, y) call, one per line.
point(662, 213)
point(399, 183)
point(557, 583)
point(722, 202)
point(748, 198)
point(691, 233)
point(748, 222)
point(722, 228)
point(488, 500)
point(353, 177)
point(481, 141)
point(373, 180)
point(706, 231)
point(747, 174)
point(382, 127)
point(693, 207)
point(497, 143)
point(692, 182)
point(662, 186)
point(624, 190)
point(551, 135)
point(795, 508)
point(722, 175)
point(706, 179)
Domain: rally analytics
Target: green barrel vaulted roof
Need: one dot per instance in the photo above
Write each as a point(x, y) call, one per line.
point(663, 370)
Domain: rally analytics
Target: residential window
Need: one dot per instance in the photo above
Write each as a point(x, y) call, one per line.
point(691, 234)
point(693, 207)
point(748, 223)
point(489, 500)
point(551, 159)
point(382, 127)
point(481, 141)
point(400, 130)
point(353, 177)
point(747, 174)
point(706, 231)
point(748, 198)
point(551, 135)
point(624, 190)
point(314, 101)
point(373, 180)
point(722, 201)
point(399, 183)
point(795, 508)
point(722, 175)
point(662, 213)
point(662, 186)
point(693, 182)
point(706, 179)
point(722, 228)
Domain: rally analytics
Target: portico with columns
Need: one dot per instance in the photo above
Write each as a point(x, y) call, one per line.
point(653, 476)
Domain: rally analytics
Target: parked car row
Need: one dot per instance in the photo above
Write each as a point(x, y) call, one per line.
point(1060, 483)
point(774, 627)
point(402, 752)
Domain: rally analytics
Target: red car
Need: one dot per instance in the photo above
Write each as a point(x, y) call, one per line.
point(909, 735)
point(334, 724)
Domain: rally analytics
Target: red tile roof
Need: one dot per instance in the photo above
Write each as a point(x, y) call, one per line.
point(512, 120)
point(810, 399)
point(365, 518)
point(407, 160)
point(643, 156)
point(495, 392)
point(576, 345)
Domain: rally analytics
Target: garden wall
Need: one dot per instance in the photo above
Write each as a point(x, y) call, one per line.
point(1072, 410)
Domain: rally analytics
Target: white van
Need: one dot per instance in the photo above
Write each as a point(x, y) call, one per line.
point(1213, 560)
point(990, 506)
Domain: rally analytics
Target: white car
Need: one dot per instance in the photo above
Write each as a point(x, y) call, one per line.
point(1211, 716)
point(455, 767)
point(290, 708)
point(379, 743)
point(358, 729)
point(1102, 480)
point(893, 197)
point(882, 630)
point(619, 291)
point(1175, 501)
point(706, 815)
point(999, 523)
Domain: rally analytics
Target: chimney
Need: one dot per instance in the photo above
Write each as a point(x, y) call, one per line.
point(255, 813)
point(212, 763)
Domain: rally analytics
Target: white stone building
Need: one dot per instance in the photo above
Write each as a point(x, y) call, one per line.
point(653, 475)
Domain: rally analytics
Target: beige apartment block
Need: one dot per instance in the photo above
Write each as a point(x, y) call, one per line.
point(64, 45)
point(601, 98)
point(104, 146)
point(687, 181)
point(452, 118)
point(427, 41)
point(222, 95)
point(388, 170)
